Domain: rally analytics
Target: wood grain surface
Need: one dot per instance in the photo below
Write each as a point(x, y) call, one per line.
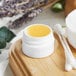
point(52, 65)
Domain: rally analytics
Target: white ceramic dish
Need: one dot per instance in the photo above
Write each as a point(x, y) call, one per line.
point(71, 28)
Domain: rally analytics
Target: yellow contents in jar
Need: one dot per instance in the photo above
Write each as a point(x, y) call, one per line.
point(38, 30)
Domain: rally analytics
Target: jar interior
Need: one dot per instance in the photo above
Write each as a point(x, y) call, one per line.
point(38, 30)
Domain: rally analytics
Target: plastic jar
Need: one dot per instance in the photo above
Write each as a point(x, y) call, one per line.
point(37, 47)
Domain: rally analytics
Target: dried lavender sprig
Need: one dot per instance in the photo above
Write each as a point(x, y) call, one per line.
point(9, 8)
point(25, 18)
point(30, 16)
point(14, 7)
point(7, 2)
point(18, 23)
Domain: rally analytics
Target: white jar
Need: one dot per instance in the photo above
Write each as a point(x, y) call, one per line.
point(71, 28)
point(37, 47)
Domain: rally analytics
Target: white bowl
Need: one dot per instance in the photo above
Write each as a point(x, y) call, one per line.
point(37, 47)
point(71, 28)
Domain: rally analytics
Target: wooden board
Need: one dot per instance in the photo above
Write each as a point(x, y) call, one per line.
point(52, 65)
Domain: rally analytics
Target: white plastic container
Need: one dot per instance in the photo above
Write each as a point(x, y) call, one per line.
point(71, 28)
point(37, 47)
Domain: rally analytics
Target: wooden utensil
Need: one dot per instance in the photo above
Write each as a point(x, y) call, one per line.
point(69, 6)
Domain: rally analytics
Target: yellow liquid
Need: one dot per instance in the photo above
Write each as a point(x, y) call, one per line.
point(38, 30)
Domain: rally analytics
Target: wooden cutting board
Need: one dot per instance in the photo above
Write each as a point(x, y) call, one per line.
point(52, 65)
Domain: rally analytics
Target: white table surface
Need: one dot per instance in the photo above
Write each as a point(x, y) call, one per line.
point(47, 17)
